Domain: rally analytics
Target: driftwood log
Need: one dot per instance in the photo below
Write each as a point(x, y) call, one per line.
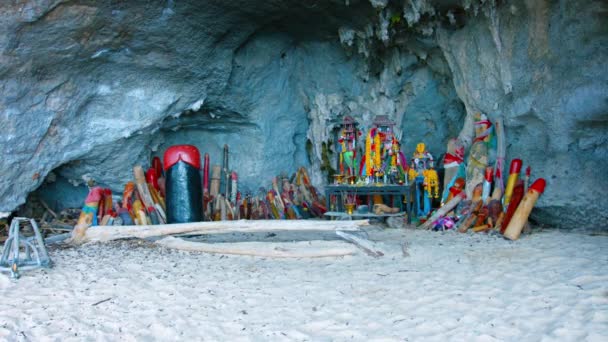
point(108, 233)
point(302, 249)
point(366, 245)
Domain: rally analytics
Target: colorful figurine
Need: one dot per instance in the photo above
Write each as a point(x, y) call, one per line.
point(347, 146)
point(397, 170)
point(431, 181)
point(426, 177)
point(412, 173)
point(379, 139)
point(422, 157)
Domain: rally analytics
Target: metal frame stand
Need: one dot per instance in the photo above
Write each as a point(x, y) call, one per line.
point(23, 253)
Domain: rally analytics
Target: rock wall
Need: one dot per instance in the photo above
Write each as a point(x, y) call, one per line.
point(542, 66)
point(99, 88)
point(86, 84)
point(538, 64)
point(303, 89)
point(88, 88)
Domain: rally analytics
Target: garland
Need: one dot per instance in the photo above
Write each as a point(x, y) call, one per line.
point(368, 153)
point(377, 156)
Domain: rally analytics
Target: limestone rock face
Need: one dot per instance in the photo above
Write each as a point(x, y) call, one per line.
point(542, 66)
point(90, 88)
point(86, 84)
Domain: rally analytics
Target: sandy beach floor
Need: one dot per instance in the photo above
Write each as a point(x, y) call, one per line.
point(549, 286)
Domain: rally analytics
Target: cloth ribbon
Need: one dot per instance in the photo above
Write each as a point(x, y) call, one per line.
point(89, 209)
point(485, 133)
point(452, 160)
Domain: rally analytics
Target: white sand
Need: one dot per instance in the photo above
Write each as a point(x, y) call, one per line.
point(549, 286)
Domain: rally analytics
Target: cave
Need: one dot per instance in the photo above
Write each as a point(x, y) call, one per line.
point(89, 89)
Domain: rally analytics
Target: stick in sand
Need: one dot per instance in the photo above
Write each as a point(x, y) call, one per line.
point(499, 183)
point(142, 186)
point(226, 172)
point(215, 180)
point(206, 174)
point(101, 301)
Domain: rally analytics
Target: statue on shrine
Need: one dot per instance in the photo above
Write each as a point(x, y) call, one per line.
point(347, 147)
point(378, 144)
point(426, 177)
point(422, 158)
point(395, 163)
